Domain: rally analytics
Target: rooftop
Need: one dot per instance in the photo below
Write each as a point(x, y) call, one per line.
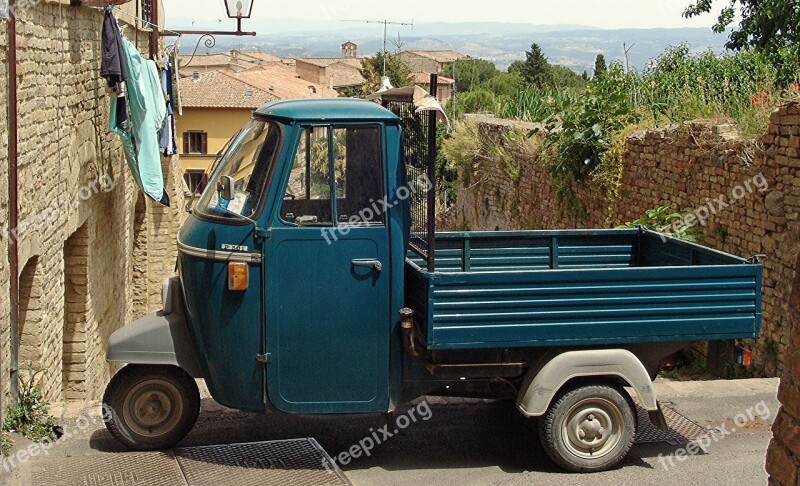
point(439, 56)
point(220, 89)
point(425, 78)
point(282, 81)
point(327, 109)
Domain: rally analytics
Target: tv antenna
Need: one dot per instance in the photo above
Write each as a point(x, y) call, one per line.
point(386, 23)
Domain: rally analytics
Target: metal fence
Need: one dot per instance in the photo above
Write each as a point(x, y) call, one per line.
point(419, 150)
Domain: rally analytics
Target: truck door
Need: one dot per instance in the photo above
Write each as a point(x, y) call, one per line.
point(328, 277)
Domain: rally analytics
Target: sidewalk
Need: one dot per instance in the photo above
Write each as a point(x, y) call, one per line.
point(466, 442)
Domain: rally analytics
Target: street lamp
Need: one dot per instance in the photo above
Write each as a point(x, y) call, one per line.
point(239, 9)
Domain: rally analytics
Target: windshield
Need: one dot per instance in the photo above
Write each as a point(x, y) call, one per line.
point(250, 161)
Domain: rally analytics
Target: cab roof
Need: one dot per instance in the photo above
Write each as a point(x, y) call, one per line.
point(327, 109)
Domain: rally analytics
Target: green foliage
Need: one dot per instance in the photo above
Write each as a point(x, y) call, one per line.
point(30, 417)
point(462, 149)
point(477, 101)
point(563, 77)
point(680, 86)
point(372, 70)
point(600, 66)
point(583, 131)
point(469, 73)
point(504, 84)
point(769, 26)
point(691, 366)
point(663, 220)
point(534, 105)
point(535, 69)
point(5, 444)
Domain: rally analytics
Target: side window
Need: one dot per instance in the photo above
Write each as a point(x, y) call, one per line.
point(307, 200)
point(357, 172)
point(359, 176)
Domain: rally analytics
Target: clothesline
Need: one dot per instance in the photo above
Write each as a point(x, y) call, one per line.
point(118, 9)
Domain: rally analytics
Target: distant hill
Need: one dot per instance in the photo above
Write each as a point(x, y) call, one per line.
point(573, 46)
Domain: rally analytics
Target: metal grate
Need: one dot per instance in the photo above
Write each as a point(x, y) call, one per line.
point(419, 152)
point(682, 430)
point(152, 469)
point(297, 462)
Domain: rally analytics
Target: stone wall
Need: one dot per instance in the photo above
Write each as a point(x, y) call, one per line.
point(5, 273)
point(89, 260)
point(689, 166)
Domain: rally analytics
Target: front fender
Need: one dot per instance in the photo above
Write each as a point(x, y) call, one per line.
point(156, 339)
point(541, 384)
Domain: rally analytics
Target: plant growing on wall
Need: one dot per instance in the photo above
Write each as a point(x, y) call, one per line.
point(662, 220)
point(30, 417)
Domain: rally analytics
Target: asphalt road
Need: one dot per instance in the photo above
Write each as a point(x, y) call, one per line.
point(489, 443)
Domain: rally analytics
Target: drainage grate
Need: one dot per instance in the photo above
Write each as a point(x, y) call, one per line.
point(296, 462)
point(682, 430)
point(152, 469)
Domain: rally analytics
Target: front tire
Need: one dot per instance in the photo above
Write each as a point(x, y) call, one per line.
point(589, 428)
point(151, 408)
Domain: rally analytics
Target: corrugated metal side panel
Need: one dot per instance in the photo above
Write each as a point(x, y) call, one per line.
point(490, 252)
point(594, 306)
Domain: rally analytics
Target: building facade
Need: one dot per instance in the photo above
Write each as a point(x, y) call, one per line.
point(92, 251)
point(430, 61)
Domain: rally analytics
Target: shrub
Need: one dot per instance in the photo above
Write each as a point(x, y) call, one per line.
point(30, 417)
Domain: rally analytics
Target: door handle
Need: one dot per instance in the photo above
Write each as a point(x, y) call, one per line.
point(372, 264)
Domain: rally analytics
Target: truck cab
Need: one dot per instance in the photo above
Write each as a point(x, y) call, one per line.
point(301, 291)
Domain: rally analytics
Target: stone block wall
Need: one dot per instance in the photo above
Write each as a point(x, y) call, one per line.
point(93, 252)
point(689, 166)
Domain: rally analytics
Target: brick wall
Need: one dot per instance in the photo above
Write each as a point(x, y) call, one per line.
point(5, 275)
point(689, 166)
point(89, 261)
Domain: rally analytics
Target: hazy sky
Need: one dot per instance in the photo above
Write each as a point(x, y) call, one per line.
point(596, 13)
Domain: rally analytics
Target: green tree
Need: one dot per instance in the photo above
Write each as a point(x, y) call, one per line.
point(563, 77)
point(600, 66)
point(469, 73)
point(372, 69)
point(535, 69)
point(504, 84)
point(770, 26)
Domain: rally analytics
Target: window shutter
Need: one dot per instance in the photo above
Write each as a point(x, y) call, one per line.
point(185, 142)
point(204, 138)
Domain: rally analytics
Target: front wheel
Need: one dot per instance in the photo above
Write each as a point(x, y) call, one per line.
point(589, 428)
point(151, 407)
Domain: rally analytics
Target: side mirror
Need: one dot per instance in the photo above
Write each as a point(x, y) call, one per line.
point(226, 188)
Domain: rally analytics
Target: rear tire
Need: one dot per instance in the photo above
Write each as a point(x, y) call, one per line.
point(151, 408)
point(589, 428)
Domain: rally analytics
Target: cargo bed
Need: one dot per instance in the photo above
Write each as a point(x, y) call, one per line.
point(583, 287)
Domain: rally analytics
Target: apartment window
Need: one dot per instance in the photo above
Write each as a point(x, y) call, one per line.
point(196, 180)
point(195, 142)
point(147, 10)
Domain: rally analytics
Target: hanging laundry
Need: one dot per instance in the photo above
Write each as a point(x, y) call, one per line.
point(178, 105)
point(167, 142)
point(140, 134)
point(112, 67)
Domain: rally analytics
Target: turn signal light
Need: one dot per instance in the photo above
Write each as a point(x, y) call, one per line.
point(744, 356)
point(238, 276)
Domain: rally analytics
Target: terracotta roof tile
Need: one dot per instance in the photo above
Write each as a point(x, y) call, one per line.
point(425, 78)
point(220, 89)
point(282, 82)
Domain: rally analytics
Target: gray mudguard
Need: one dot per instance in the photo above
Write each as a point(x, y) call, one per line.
point(542, 383)
point(157, 339)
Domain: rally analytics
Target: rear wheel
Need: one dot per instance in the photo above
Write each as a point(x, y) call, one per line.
point(151, 407)
point(589, 428)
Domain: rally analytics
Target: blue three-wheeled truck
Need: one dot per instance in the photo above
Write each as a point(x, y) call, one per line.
point(306, 286)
